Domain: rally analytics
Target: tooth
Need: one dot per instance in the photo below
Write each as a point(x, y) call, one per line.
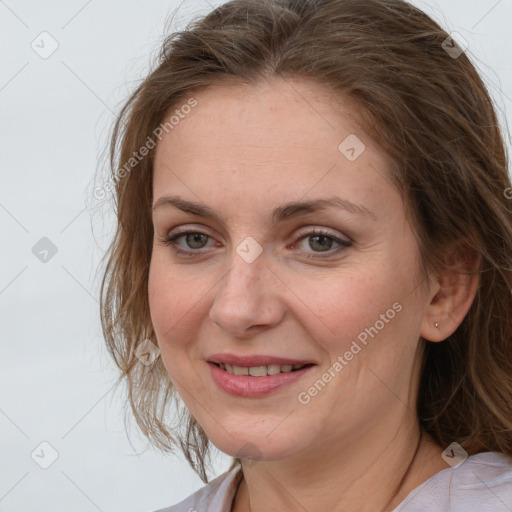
point(273, 369)
point(296, 366)
point(286, 368)
point(240, 370)
point(229, 367)
point(258, 371)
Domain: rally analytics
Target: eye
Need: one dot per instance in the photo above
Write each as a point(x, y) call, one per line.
point(193, 239)
point(320, 241)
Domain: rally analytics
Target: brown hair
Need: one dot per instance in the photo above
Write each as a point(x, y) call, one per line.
point(428, 110)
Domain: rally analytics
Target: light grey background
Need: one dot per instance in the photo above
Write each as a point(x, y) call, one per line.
point(55, 113)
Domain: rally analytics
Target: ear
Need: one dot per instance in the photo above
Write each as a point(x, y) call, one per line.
point(452, 293)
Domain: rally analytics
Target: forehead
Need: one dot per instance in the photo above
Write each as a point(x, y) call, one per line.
point(280, 136)
point(266, 116)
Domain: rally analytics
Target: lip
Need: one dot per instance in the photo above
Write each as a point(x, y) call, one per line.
point(254, 387)
point(255, 360)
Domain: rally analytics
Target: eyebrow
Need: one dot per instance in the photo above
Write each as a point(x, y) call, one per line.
point(283, 212)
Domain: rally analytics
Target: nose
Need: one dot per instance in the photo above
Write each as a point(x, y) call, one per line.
point(247, 298)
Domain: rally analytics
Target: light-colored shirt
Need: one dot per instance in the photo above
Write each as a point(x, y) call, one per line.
point(482, 483)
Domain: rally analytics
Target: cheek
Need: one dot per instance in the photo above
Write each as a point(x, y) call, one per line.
point(167, 295)
point(167, 305)
point(366, 326)
point(166, 308)
point(159, 296)
point(341, 306)
point(372, 338)
point(177, 305)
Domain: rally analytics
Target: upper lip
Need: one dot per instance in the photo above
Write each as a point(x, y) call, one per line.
point(254, 360)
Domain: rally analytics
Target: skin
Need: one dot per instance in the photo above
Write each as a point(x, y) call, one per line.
point(243, 151)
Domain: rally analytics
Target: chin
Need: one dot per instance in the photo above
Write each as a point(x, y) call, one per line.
point(257, 446)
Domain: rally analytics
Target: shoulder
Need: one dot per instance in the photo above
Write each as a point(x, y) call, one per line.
point(482, 482)
point(216, 496)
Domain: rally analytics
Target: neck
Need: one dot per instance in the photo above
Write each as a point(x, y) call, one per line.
point(375, 473)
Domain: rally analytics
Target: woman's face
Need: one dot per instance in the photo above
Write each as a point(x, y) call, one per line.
point(256, 283)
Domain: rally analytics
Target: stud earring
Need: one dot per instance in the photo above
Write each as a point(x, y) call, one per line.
point(437, 325)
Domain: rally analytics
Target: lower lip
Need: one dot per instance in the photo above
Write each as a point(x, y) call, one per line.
point(242, 385)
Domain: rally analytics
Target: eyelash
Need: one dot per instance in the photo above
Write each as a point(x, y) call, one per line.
point(344, 244)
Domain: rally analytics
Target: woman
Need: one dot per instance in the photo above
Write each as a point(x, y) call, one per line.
point(314, 229)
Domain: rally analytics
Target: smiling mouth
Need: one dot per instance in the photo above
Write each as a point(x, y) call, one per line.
point(261, 371)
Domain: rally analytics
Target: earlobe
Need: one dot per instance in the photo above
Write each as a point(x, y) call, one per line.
point(455, 291)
